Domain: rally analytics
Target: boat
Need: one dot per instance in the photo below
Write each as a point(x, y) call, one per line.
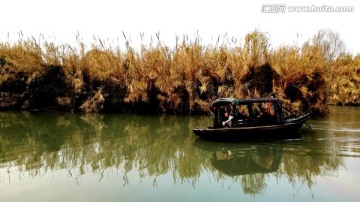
point(252, 118)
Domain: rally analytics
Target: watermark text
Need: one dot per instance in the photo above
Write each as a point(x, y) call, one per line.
point(282, 8)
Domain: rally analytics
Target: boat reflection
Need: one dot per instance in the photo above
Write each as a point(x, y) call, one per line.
point(242, 158)
point(242, 161)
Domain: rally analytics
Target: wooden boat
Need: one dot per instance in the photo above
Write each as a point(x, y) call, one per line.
point(245, 119)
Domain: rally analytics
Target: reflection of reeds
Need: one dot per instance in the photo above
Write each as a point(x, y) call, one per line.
point(183, 79)
point(40, 143)
point(93, 143)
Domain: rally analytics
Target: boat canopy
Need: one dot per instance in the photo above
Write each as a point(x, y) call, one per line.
point(246, 112)
point(234, 101)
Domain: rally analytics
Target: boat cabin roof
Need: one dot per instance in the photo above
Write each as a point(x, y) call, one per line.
point(234, 101)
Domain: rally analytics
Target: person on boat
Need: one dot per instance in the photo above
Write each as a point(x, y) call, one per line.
point(264, 117)
point(270, 109)
point(268, 114)
point(222, 112)
point(228, 122)
point(274, 112)
point(241, 115)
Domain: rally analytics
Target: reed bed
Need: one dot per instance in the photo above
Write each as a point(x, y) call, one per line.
point(183, 79)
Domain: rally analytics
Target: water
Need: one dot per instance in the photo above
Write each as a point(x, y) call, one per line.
point(71, 157)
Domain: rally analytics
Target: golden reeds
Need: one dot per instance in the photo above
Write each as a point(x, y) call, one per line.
point(183, 79)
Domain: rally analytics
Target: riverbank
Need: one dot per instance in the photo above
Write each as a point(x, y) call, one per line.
point(184, 79)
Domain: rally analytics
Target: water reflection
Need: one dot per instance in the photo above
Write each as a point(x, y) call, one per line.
point(253, 163)
point(240, 162)
point(34, 145)
point(42, 142)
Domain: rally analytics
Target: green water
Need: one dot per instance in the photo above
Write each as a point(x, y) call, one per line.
point(92, 157)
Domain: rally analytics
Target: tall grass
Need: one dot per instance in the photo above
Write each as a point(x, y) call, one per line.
point(183, 79)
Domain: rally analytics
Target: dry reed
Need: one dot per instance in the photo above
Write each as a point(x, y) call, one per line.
point(184, 79)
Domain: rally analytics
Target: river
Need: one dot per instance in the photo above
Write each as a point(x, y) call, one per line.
point(55, 156)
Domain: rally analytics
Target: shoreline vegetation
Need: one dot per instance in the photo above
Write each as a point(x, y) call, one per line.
point(184, 79)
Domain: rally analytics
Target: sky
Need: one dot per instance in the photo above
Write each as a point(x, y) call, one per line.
point(60, 21)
